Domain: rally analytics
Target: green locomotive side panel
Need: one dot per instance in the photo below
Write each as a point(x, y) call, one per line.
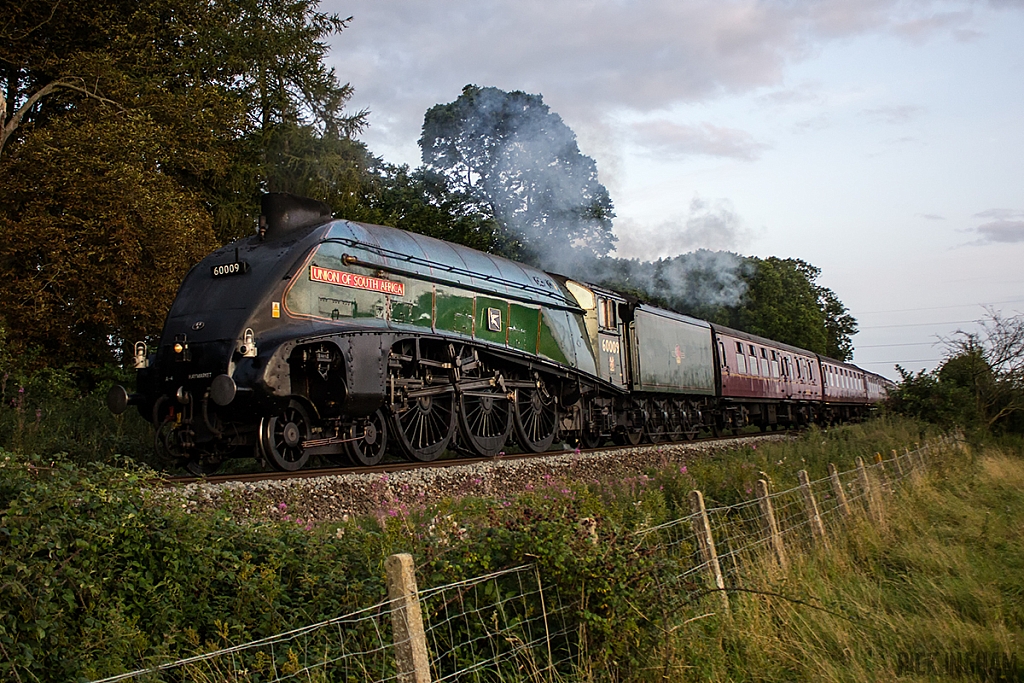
point(416, 307)
point(586, 357)
point(330, 286)
point(310, 298)
point(674, 353)
point(555, 341)
point(454, 312)
point(491, 319)
point(523, 327)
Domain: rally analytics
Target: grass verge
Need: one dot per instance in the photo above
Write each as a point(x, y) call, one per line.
point(935, 592)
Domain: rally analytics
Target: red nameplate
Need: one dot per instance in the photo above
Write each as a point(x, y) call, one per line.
point(344, 279)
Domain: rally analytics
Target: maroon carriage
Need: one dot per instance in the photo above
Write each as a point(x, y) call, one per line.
point(764, 382)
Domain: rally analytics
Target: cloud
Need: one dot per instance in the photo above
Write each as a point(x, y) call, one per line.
point(894, 114)
point(919, 29)
point(713, 225)
point(1001, 214)
point(1002, 231)
point(665, 138)
point(1007, 228)
point(595, 57)
point(809, 92)
point(932, 216)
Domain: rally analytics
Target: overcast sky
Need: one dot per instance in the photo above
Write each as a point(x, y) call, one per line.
point(881, 141)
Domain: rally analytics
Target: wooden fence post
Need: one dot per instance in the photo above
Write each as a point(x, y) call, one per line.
point(769, 525)
point(896, 460)
point(837, 490)
point(883, 476)
point(817, 528)
point(407, 620)
point(865, 487)
point(706, 543)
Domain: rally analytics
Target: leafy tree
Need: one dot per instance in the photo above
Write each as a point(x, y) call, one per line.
point(139, 135)
point(509, 151)
point(100, 240)
point(989, 365)
point(783, 302)
point(423, 202)
point(980, 384)
point(925, 396)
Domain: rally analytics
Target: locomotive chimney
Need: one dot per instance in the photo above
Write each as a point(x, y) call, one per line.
point(286, 214)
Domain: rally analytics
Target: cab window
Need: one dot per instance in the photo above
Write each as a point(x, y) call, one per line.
point(606, 318)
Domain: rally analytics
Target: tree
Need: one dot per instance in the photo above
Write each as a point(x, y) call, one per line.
point(422, 202)
point(100, 240)
point(980, 383)
point(509, 151)
point(784, 302)
point(188, 111)
point(989, 365)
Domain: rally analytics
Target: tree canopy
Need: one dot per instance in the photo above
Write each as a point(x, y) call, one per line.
point(509, 151)
point(979, 384)
point(138, 136)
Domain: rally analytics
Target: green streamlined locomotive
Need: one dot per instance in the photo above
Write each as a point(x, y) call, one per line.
point(342, 340)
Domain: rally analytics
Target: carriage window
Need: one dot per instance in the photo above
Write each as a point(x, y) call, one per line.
point(721, 355)
point(775, 364)
point(753, 359)
point(799, 368)
point(741, 359)
point(764, 362)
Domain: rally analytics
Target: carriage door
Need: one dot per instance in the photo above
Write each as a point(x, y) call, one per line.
point(609, 342)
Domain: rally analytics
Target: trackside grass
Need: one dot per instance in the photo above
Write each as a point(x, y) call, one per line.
point(935, 592)
point(101, 573)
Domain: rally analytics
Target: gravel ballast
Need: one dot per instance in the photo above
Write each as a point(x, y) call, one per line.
point(337, 497)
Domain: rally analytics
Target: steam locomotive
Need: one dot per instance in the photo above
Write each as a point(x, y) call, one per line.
point(322, 338)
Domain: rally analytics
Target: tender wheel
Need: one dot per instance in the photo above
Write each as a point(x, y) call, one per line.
point(372, 440)
point(589, 439)
point(627, 436)
point(485, 420)
point(424, 429)
point(656, 428)
point(535, 417)
point(282, 436)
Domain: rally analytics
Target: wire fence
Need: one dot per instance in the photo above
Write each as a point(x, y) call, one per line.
point(509, 625)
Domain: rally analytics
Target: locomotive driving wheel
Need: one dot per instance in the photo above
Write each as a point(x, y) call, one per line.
point(282, 437)
point(485, 421)
point(485, 417)
point(370, 440)
point(424, 428)
point(421, 418)
point(535, 417)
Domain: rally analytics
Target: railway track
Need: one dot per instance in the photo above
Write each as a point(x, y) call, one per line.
point(405, 466)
